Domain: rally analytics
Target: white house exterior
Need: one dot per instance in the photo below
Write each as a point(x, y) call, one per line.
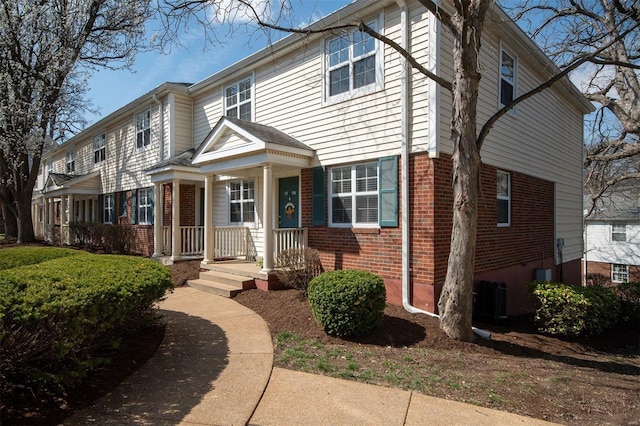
point(334, 143)
point(612, 238)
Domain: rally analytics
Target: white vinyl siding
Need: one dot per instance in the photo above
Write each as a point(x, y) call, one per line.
point(599, 246)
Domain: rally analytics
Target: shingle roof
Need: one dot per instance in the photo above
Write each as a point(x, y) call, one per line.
point(60, 179)
point(183, 159)
point(620, 206)
point(268, 134)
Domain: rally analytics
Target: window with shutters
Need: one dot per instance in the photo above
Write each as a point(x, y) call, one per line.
point(145, 206)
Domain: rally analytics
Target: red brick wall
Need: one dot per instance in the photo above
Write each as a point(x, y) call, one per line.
point(167, 203)
point(525, 242)
point(187, 205)
point(604, 269)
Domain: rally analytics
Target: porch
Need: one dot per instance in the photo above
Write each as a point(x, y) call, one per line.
point(229, 243)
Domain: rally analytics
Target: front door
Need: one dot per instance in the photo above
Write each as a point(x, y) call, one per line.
point(288, 204)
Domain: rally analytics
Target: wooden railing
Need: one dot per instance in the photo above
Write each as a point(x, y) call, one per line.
point(192, 240)
point(232, 242)
point(288, 238)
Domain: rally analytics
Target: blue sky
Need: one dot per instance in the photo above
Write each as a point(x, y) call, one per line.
point(110, 90)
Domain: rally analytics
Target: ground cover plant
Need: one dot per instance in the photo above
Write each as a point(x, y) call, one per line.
point(576, 381)
point(64, 314)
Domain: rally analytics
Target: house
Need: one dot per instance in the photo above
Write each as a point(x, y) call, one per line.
point(332, 142)
point(612, 238)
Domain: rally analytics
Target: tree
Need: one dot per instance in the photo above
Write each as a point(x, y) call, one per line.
point(609, 79)
point(465, 20)
point(46, 47)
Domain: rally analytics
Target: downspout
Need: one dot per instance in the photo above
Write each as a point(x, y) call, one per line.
point(161, 117)
point(405, 92)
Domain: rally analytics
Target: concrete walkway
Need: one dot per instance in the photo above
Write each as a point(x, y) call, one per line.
point(215, 367)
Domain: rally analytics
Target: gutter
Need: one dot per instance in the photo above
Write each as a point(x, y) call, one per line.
point(405, 94)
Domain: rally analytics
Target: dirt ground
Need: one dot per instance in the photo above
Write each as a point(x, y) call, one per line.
point(595, 381)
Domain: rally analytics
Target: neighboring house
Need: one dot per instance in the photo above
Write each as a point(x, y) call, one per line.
point(329, 142)
point(612, 238)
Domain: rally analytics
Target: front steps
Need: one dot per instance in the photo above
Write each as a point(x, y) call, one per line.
point(222, 283)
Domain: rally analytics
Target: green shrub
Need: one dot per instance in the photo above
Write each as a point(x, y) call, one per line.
point(58, 317)
point(19, 256)
point(297, 267)
point(629, 302)
point(572, 311)
point(347, 302)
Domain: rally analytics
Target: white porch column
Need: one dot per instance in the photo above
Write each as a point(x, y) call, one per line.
point(209, 235)
point(50, 220)
point(267, 222)
point(157, 220)
point(70, 218)
point(175, 220)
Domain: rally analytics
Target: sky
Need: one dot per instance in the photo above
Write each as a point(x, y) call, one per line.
point(192, 62)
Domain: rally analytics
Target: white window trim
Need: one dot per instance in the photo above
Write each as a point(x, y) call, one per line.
point(625, 272)
point(109, 206)
point(512, 111)
point(135, 126)
point(150, 195)
point(613, 231)
point(327, 99)
point(103, 138)
point(255, 203)
point(70, 159)
point(330, 195)
point(505, 198)
point(237, 82)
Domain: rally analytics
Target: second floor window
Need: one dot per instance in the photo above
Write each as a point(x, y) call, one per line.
point(143, 129)
point(99, 151)
point(237, 100)
point(353, 64)
point(619, 232)
point(242, 203)
point(49, 167)
point(70, 162)
point(507, 78)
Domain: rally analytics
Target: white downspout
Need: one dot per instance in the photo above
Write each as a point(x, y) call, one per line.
point(405, 79)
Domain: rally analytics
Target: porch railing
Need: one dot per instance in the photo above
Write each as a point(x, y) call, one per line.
point(233, 242)
point(288, 238)
point(192, 240)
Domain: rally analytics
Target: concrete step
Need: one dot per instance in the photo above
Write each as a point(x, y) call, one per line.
point(220, 289)
point(242, 282)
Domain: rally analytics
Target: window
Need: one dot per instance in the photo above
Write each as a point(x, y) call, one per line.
point(353, 64)
point(143, 129)
point(109, 204)
point(619, 232)
point(354, 195)
point(242, 201)
point(504, 198)
point(49, 167)
point(99, 148)
point(619, 273)
point(70, 162)
point(507, 78)
point(238, 100)
point(123, 204)
point(145, 206)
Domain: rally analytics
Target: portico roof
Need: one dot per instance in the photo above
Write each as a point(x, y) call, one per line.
point(62, 183)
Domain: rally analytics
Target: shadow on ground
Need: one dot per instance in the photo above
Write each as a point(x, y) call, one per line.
point(192, 355)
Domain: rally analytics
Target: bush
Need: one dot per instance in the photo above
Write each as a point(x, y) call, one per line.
point(57, 318)
point(347, 302)
point(629, 302)
point(573, 311)
point(21, 256)
point(297, 267)
point(116, 238)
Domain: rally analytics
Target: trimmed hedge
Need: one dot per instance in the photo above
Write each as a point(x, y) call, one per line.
point(573, 311)
point(58, 317)
point(20, 256)
point(347, 302)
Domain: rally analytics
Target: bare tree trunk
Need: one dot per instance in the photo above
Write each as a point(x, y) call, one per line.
point(24, 219)
point(456, 300)
point(10, 222)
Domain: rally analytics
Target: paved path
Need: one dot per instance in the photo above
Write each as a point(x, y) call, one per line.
point(215, 367)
